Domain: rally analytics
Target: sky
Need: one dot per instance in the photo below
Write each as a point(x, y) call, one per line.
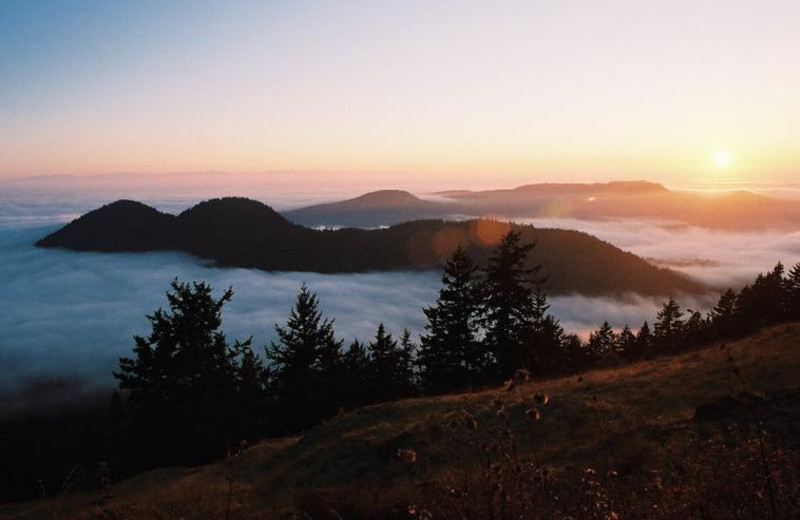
point(457, 91)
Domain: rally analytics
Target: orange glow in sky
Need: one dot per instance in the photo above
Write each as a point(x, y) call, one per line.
point(518, 90)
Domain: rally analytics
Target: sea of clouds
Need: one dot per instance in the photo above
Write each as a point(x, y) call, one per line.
point(67, 317)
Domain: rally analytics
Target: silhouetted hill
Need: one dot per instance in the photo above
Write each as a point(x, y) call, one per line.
point(377, 208)
point(245, 233)
point(124, 225)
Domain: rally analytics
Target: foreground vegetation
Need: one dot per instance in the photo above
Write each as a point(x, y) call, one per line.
point(709, 434)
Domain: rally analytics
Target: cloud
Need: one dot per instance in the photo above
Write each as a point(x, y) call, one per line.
point(719, 258)
point(68, 313)
point(67, 317)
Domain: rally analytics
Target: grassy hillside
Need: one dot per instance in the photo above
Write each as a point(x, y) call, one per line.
point(661, 437)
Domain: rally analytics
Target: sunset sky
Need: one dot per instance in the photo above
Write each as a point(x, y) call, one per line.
point(670, 91)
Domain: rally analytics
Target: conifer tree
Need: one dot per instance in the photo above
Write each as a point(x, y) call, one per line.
point(696, 330)
point(644, 342)
point(506, 304)
point(725, 321)
point(792, 291)
point(184, 380)
point(406, 375)
point(305, 364)
point(544, 338)
point(763, 302)
point(356, 367)
point(450, 355)
point(389, 367)
point(627, 344)
point(602, 341)
point(668, 333)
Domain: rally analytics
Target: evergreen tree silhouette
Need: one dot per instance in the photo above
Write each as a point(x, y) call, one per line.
point(627, 345)
point(697, 329)
point(305, 365)
point(544, 337)
point(507, 302)
point(792, 291)
point(390, 367)
point(356, 366)
point(602, 341)
point(406, 362)
point(184, 380)
point(725, 319)
point(764, 301)
point(668, 332)
point(644, 342)
point(450, 355)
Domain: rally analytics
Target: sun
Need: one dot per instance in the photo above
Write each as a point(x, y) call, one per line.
point(721, 159)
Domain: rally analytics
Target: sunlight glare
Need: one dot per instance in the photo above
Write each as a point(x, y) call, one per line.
point(721, 159)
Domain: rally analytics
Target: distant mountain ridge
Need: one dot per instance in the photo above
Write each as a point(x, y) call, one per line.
point(238, 232)
point(737, 210)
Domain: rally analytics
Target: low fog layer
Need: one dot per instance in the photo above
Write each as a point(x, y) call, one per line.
point(69, 316)
point(719, 258)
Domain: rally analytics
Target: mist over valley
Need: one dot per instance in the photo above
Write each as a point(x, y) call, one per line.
point(70, 315)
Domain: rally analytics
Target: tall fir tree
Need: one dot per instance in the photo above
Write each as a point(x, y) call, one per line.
point(390, 368)
point(450, 355)
point(792, 291)
point(507, 302)
point(602, 341)
point(407, 363)
point(627, 345)
point(697, 329)
point(544, 337)
point(305, 365)
point(763, 302)
point(356, 367)
point(668, 332)
point(725, 319)
point(645, 343)
point(184, 380)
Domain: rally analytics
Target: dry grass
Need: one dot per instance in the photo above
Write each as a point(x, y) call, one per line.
point(629, 419)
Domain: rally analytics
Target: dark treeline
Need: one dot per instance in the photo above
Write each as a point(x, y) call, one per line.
point(189, 395)
point(771, 298)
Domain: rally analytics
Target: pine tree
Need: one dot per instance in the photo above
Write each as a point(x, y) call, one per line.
point(602, 341)
point(668, 333)
point(763, 302)
point(696, 330)
point(792, 291)
point(507, 301)
point(450, 356)
point(544, 338)
point(573, 357)
point(645, 343)
point(627, 345)
point(406, 375)
point(356, 366)
point(305, 364)
point(725, 320)
point(390, 367)
point(184, 380)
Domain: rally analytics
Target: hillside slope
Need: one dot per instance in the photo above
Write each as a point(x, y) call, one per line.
point(630, 420)
point(237, 232)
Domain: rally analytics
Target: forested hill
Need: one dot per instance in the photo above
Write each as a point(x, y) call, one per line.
point(238, 232)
